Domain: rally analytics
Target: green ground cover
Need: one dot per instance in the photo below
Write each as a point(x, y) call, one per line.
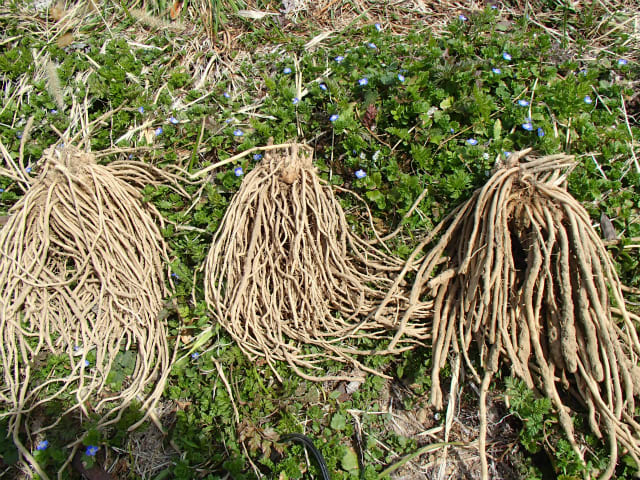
point(389, 115)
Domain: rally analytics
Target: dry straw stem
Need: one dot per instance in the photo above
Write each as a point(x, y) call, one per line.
point(285, 271)
point(529, 281)
point(81, 276)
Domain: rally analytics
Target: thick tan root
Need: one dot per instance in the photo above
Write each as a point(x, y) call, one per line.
point(530, 281)
point(284, 271)
point(81, 278)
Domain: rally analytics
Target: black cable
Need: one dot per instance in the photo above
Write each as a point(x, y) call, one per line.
point(310, 447)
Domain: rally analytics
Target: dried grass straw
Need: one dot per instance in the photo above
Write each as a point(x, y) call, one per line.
point(81, 273)
point(285, 271)
point(529, 281)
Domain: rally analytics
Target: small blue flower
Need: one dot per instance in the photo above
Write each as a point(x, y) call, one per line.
point(238, 171)
point(158, 131)
point(496, 70)
point(86, 363)
point(334, 117)
point(175, 275)
point(372, 45)
point(238, 133)
point(523, 103)
point(378, 27)
point(339, 58)
point(257, 156)
point(91, 450)
point(18, 135)
point(228, 120)
point(28, 169)
point(141, 109)
point(401, 77)
point(462, 18)
point(42, 445)
point(622, 61)
point(131, 156)
point(540, 132)
point(361, 174)
point(506, 56)
point(472, 141)
point(363, 81)
point(226, 95)
point(494, 7)
point(527, 126)
point(588, 100)
point(323, 87)
point(286, 70)
point(506, 154)
point(583, 71)
point(195, 355)
point(295, 100)
point(54, 111)
point(76, 348)
point(452, 130)
point(174, 120)
point(1, 190)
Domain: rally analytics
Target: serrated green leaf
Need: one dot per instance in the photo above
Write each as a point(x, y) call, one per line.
point(349, 461)
point(497, 129)
point(338, 422)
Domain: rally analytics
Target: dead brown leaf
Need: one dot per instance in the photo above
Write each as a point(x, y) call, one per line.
point(65, 40)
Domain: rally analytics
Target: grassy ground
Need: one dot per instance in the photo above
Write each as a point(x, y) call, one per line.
point(416, 97)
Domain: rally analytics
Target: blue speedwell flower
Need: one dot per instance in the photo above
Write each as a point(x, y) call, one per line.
point(1, 190)
point(238, 171)
point(174, 275)
point(462, 18)
point(339, 58)
point(323, 87)
point(19, 135)
point(401, 77)
point(295, 100)
point(334, 117)
point(527, 126)
point(540, 132)
point(588, 100)
point(523, 103)
point(173, 120)
point(159, 131)
point(91, 450)
point(54, 111)
point(372, 45)
point(141, 109)
point(28, 169)
point(238, 133)
point(361, 173)
point(506, 56)
point(195, 355)
point(496, 70)
point(622, 61)
point(226, 95)
point(472, 141)
point(42, 445)
point(378, 27)
point(363, 81)
point(86, 363)
point(257, 156)
point(286, 70)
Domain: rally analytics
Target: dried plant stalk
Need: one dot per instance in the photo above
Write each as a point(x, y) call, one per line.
point(81, 276)
point(530, 282)
point(284, 271)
